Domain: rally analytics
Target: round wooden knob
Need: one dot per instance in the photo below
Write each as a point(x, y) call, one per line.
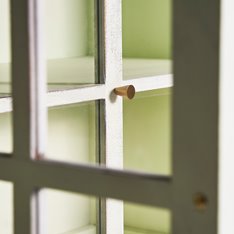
point(127, 91)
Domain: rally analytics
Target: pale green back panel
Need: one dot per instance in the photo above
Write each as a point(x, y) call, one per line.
point(4, 31)
point(67, 28)
point(68, 213)
point(91, 27)
point(147, 132)
point(6, 144)
point(71, 133)
point(146, 219)
point(147, 28)
point(6, 204)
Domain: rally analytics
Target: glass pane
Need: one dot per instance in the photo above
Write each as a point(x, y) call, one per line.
point(5, 78)
point(72, 133)
point(6, 207)
point(6, 145)
point(146, 38)
point(140, 219)
point(73, 213)
point(67, 213)
point(5, 48)
point(147, 132)
point(70, 43)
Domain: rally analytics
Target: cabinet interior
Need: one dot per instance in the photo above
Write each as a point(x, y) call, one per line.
point(70, 48)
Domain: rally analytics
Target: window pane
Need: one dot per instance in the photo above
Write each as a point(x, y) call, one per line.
point(146, 38)
point(66, 212)
point(72, 133)
point(5, 48)
point(147, 132)
point(5, 78)
point(6, 204)
point(140, 219)
point(6, 133)
point(70, 43)
point(73, 213)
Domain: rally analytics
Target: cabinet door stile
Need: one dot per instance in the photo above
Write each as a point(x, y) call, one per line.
point(195, 116)
point(113, 106)
point(29, 95)
point(28, 72)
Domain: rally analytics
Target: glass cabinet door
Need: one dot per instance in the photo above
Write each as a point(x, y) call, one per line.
point(92, 121)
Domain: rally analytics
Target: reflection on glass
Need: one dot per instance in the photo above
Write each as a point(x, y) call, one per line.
point(146, 38)
point(70, 43)
point(147, 132)
point(72, 133)
point(6, 204)
point(67, 213)
point(139, 219)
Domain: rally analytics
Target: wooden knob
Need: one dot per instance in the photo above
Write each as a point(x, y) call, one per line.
point(127, 91)
point(200, 201)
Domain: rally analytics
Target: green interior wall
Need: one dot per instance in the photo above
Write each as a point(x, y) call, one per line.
point(69, 28)
point(147, 28)
point(147, 148)
point(147, 132)
point(146, 219)
point(66, 212)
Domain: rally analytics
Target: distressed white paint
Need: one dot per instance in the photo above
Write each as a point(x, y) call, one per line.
point(70, 95)
point(226, 117)
point(73, 96)
point(113, 105)
point(63, 97)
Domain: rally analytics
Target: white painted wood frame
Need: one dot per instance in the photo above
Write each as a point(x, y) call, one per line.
point(197, 102)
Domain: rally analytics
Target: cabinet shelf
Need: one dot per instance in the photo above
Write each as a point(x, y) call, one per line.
point(70, 80)
point(91, 229)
